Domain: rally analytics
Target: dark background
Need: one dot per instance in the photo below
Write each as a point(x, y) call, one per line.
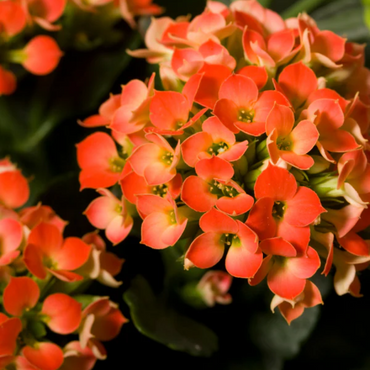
point(250, 337)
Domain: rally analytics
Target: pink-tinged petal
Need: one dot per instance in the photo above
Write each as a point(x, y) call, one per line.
point(312, 295)
point(278, 247)
point(266, 265)
point(252, 38)
point(133, 184)
point(235, 152)
point(193, 145)
point(143, 156)
point(153, 228)
point(303, 162)
point(243, 19)
point(8, 258)
point(330, 45)
point(133, 94)
point(107, 327)
point(96, 151)
point(20, 294)
point(9, 331)
point(97, 178)
point(305, 266)
point(257, 74)
point(73, 254)
point(108, 108)
point(280, 44)
point(150, 203)
point(11, 234)
point(283, 282)
point(307, 200)
point(121, 121)
point(276, 183)
point(271, 144)
point(299, 237)
point(118, 229)
point(214, 127)
point(173, 233)
point(159, 173)
point(338, 141)
point(47, 238)
point(191, 88)
point(297, 81)
point(94, 121)
point(304, 137)
point(33, 259)
point(345, 219)
point(206, 250)
point(14, 189)
point(326, 240)
point(227, 112)
point(45, 355)
point(291, 313)
point(280, 118)
point(240, 262)
point(196, 194)
point(78, 358)
point(326, 93)
point(235, 206)
point(168, 109)
point(354, 244)
point(102, 210)
point(215, 221)
point(260, 218)
point(248, 238)
point(67, 276)
point(327, 114)
point(175, 185)
point(63, 313)
point(363, 222)
point(266, 102)
point(254, 128)
point(214, 76)
point(209, 169)
point(239, 89)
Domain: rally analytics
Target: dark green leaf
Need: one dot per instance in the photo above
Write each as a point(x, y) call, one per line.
point(154, 318)
point(301, 6)
point(279, 341)
point(344, 17)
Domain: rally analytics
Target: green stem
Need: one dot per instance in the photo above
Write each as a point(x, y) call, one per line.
point(301, 6)
point(34, 140)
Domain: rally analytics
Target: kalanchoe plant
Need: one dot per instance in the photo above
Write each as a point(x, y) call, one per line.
point(40, 55)
point(257, 150)
point(35, 260)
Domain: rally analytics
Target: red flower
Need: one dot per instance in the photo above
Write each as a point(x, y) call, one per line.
point(214, 186)
point(243, 258)
point(46, 251)
point(283, 210)
point(240, 107)
point(101, 166)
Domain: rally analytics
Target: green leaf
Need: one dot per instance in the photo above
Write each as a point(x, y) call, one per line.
point(301, 6)
point(279, 341)
point(154, 318)
point(344, 17)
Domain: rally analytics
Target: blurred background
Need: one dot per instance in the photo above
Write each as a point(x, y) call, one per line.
point(39, 130)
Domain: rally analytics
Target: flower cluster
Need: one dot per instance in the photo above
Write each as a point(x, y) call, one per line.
point(257, 150)
point(37, 267)
point(41, 54)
